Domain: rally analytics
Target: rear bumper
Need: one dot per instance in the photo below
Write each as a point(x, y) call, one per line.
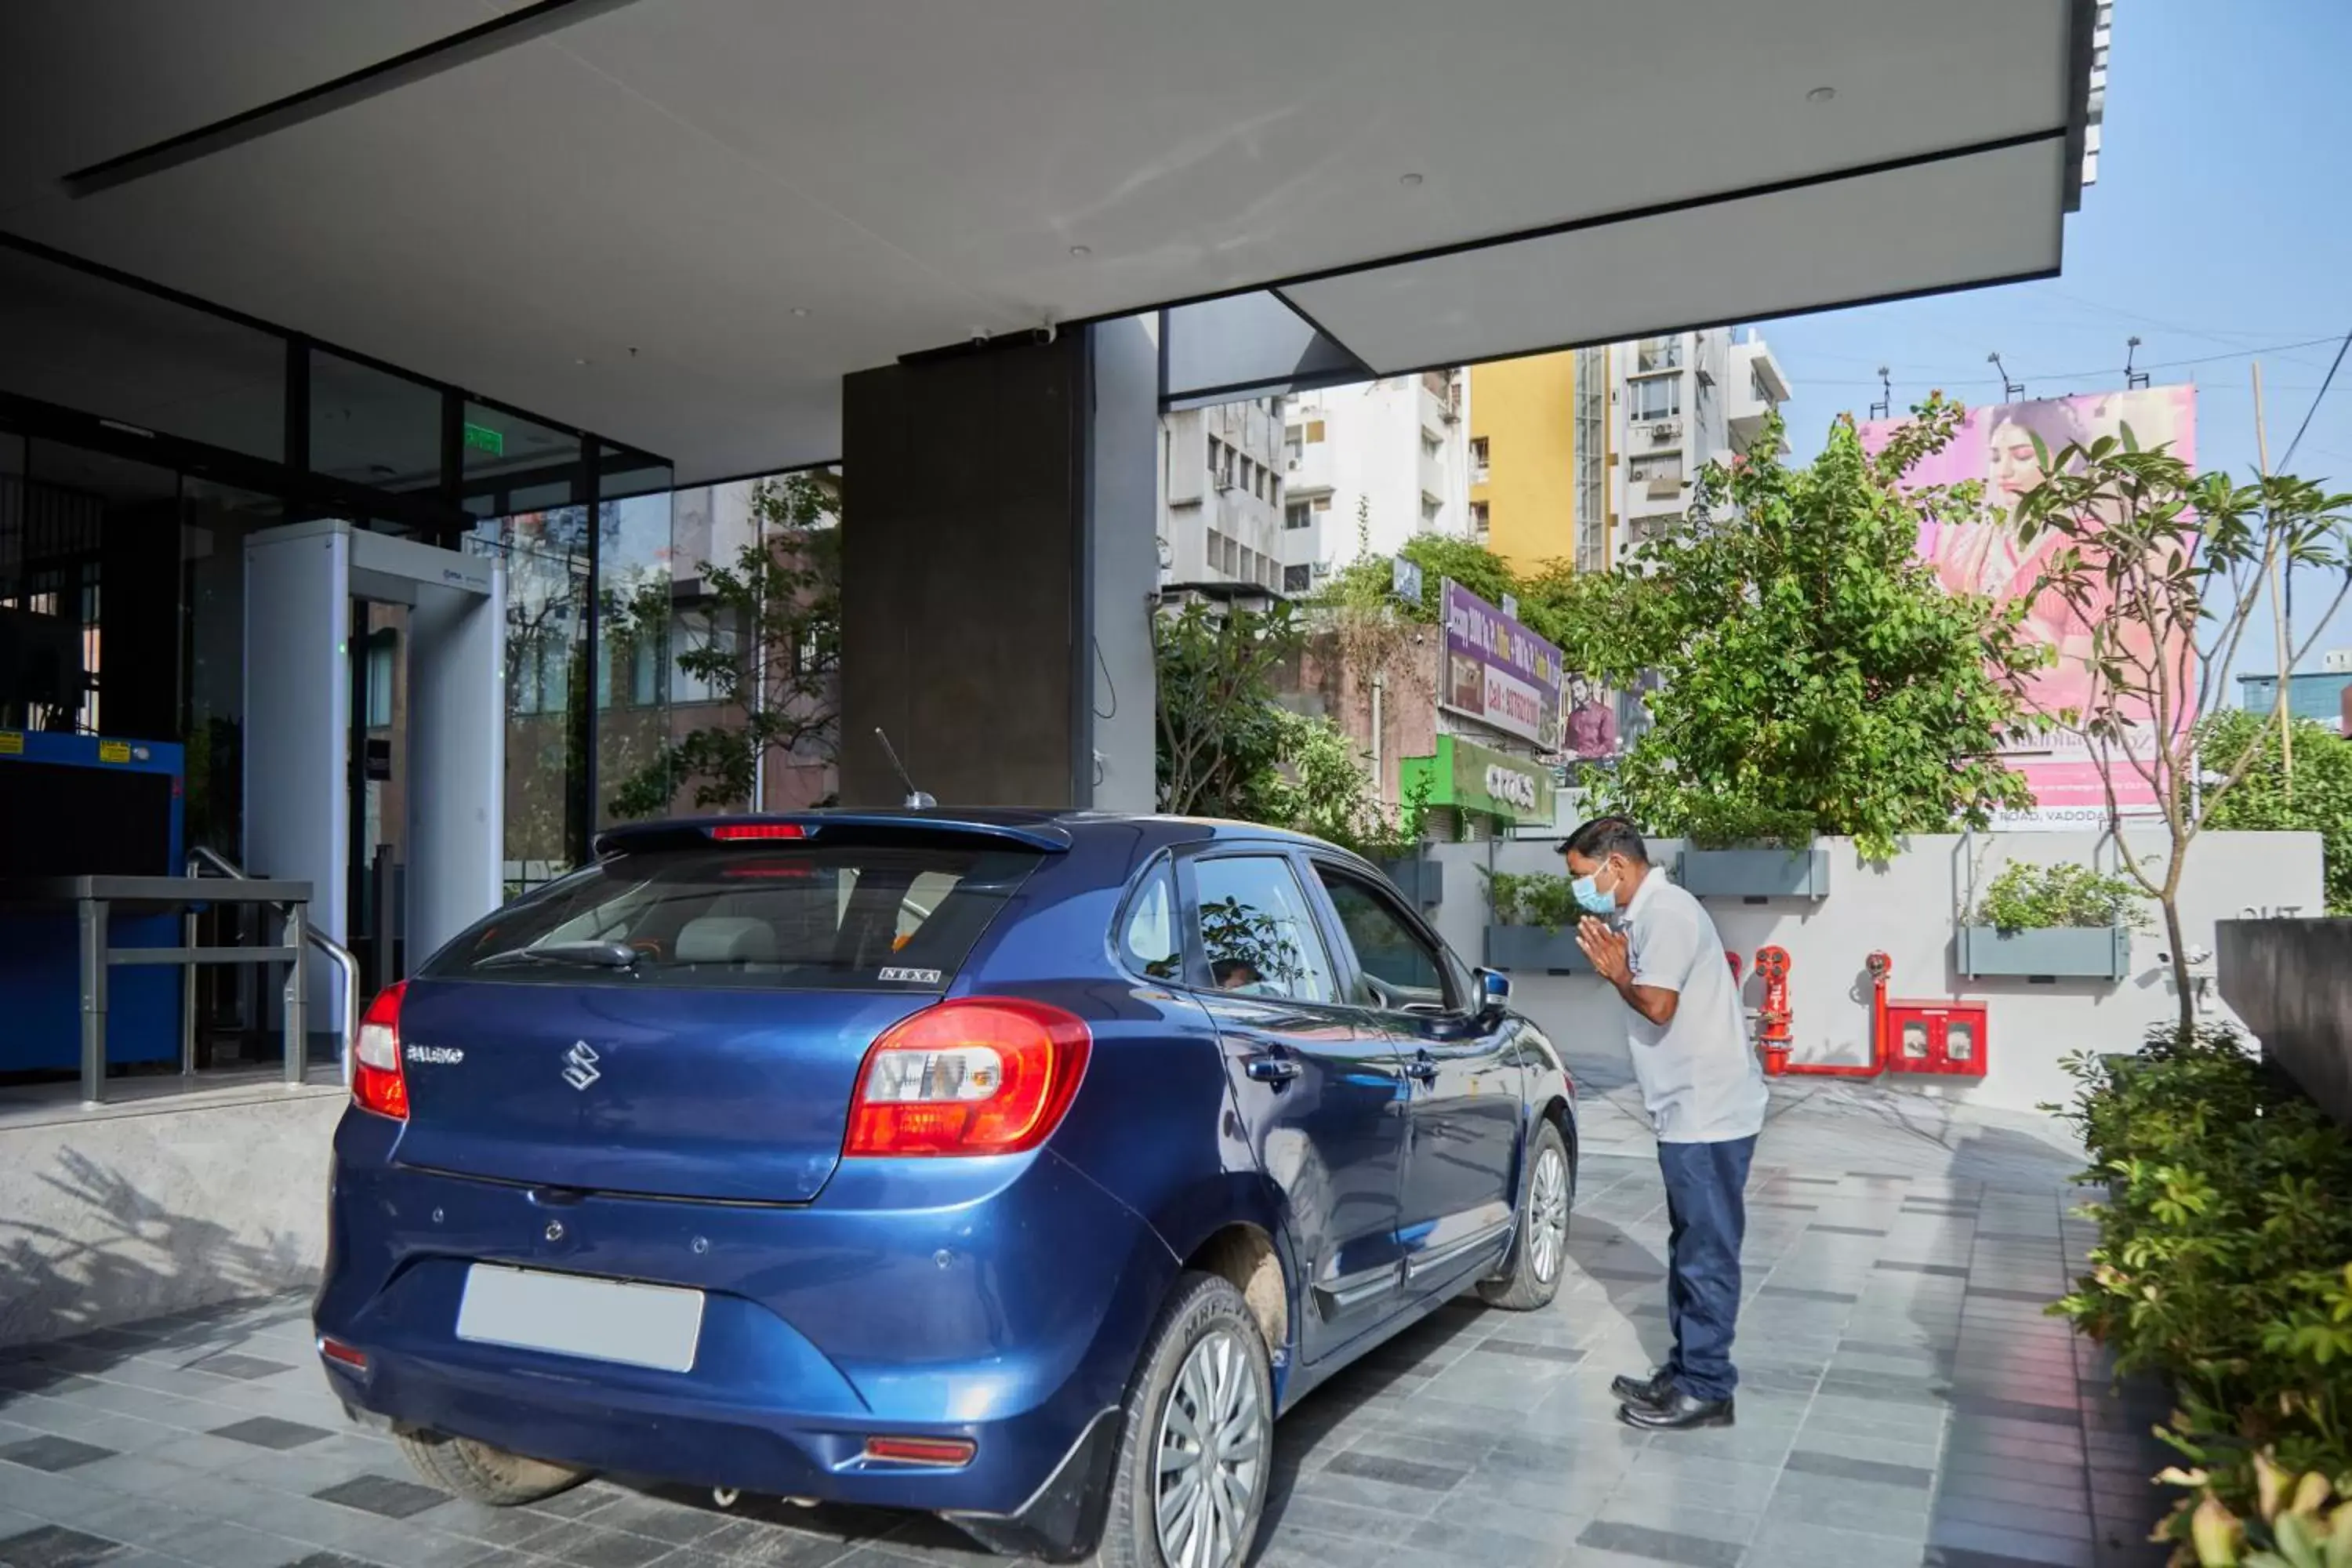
point(1008, 1309)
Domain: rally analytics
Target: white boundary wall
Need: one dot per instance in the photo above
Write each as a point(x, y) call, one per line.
point(1909, 908)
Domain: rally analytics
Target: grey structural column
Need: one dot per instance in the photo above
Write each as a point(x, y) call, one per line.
point(998, 560)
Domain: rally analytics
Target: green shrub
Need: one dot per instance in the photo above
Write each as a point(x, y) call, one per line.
point(2224, 1262)
point(1534, 899)
point(2033, 897)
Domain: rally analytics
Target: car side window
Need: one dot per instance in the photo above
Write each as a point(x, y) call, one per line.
point(1149, 940)
point(1396, 966)
point(1257, 930)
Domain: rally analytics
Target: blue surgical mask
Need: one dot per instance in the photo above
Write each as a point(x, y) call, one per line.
point(1588, 893)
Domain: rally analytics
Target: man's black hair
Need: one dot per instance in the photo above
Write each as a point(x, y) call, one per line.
point(1606, 836)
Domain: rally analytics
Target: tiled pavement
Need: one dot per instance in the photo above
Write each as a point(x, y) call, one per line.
point(1905, 1402)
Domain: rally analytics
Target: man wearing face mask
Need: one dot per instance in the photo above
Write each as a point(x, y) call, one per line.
point(1704, 1089)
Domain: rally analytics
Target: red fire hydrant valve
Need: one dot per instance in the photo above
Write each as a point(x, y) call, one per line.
point(1772, 964)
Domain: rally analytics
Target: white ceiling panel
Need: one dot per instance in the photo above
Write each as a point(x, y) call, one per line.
point(657, 189)
point(85, 80)
point(1946, 225)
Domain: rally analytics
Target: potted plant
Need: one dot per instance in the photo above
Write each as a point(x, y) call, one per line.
point(2051, 922)
point(1753, 853)
point(1532, 925)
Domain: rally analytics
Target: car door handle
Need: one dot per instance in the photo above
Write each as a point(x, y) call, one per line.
point(1421, 1069)
point(1271, 1069)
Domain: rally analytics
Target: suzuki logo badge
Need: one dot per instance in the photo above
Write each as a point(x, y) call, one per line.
point(580, 1065)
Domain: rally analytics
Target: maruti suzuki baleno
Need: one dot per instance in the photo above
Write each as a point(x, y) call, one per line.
point(1021, 1167)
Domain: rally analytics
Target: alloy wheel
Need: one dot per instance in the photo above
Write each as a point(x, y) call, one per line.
point(1212, 1456)
point(1548, 1215)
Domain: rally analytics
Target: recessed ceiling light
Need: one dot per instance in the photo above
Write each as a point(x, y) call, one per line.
point(800, 310)
point(1082, 251)
point(1821, 95)
point(580, 361)
point(1409, 179)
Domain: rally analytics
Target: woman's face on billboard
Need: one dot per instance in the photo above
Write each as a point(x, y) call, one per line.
point(2015, 468)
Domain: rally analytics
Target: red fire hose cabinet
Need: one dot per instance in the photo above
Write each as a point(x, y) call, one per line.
point(1936, 1037)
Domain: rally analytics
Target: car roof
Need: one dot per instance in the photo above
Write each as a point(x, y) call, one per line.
point(1038, 824)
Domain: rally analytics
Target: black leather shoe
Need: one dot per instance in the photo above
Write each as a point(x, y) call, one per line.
point(1654, 1389)
point(1678, 1412)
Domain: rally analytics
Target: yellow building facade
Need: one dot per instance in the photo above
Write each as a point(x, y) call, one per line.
point(1523, 458)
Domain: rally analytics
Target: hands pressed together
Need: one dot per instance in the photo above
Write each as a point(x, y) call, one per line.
point(1605, 949)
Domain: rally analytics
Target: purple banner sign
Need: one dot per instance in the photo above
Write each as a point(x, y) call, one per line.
point(1497, 671)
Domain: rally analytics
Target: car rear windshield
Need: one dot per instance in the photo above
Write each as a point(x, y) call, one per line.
point(796, 916)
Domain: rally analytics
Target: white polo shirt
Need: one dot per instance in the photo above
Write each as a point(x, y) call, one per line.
point(1701, 1080)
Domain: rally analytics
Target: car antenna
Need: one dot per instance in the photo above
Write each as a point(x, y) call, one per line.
point(916, 799)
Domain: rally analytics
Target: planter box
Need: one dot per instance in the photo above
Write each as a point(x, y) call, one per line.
point(1755, 873)
point(1531, 949)
point(2080, 952)
point(1422, 882)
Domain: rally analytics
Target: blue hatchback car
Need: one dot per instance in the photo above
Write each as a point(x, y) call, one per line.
point(1017, 1166)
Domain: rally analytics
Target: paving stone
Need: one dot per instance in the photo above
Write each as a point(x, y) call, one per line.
point(53, 1454)
point(55, 1546)
point(1996, 1548)
point(1660, 1545)
point(385, 1495)
point(1809, 1461)
point(237, 1365)
point(269, 1432)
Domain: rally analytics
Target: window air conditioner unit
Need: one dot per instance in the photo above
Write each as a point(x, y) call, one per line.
point(1223, 485)
point(1321, 570)
point(1665, 432)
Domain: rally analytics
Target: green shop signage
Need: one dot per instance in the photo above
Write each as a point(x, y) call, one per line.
point(1471, 777)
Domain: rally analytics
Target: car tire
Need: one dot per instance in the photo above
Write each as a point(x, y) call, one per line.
point(482, 1474)
point(1206, 1355)
point(1531, 1274)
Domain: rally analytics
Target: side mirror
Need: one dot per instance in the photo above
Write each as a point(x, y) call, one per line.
point(1494, 990)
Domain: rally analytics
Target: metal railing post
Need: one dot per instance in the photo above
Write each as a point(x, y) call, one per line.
point(188, 1000)
point(345, 961)
point(298, 1004)
point(92, 921)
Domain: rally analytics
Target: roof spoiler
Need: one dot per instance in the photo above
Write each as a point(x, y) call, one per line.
point(830, 828)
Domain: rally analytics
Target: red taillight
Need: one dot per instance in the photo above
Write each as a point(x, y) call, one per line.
point(347, 1356)
point(981, 1076)
point(377, 1082)
point(737, 832)
point(947, 1451)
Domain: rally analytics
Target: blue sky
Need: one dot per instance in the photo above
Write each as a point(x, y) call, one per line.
point(2221, 223)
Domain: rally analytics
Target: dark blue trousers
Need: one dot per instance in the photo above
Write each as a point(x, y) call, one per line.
point(1707, 1213)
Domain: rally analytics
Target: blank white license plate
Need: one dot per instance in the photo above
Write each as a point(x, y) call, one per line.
point(570, 1314)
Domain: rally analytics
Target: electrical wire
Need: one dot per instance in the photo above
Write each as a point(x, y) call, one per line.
point(2102, 370)
point(1109, 683)
point(2325, 381)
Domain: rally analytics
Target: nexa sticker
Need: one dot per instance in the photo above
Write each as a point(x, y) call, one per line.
point(912, 976)
point(440, 1056)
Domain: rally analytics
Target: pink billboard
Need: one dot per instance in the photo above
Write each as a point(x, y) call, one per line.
point(1996, 446)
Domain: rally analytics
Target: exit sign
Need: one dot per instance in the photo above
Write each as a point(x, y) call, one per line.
point(482, 439)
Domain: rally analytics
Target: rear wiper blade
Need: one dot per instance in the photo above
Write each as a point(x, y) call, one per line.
point(579, 954)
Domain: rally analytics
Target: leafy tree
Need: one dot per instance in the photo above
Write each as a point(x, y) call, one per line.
point(1220, 733)
point(1321, 788)
point(1368, 579)
point(1818, 678)
point(770, 659)
point(2322, 799)
point(2164, 570)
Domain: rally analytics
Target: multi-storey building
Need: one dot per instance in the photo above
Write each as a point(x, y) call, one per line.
point(1681, 402)
point(1368, 466)
point(1538, 453)
point(1222, 495)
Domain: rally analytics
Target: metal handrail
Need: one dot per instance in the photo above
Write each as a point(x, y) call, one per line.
point(337, 953)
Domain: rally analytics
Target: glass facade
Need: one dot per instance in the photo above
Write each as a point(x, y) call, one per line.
point(144, 436)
